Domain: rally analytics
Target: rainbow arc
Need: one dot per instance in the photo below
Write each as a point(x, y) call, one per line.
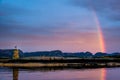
point(101, 42)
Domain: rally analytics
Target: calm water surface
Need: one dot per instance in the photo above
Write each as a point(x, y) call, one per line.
point(60, 74)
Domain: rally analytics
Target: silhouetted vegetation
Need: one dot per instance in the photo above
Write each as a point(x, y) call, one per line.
point(8, 53)
point(60, 59)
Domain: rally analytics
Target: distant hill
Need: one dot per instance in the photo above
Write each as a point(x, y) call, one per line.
point(57, 53)
point(8, 53)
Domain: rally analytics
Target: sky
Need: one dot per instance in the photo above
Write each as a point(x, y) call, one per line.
point(67, 25)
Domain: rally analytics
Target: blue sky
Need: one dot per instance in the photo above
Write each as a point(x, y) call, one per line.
point(67, 25)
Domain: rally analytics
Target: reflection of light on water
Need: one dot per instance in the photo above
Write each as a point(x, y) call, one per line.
point(103, 74)
point(15, 74)
point(86, 74)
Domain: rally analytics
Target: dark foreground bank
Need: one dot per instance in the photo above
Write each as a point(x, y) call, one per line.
point(61, 63)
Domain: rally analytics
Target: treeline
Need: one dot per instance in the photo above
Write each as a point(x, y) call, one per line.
point(8, 53)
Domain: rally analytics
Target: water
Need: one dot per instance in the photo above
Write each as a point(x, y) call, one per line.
point(60, 74)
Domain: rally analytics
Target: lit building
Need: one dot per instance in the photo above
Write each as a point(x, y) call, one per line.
point(16, 53)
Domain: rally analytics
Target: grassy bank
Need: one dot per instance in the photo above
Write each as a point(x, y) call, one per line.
point(65, 65)
point(62, 63)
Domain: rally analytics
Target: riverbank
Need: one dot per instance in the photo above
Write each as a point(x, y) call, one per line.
point(60, 65)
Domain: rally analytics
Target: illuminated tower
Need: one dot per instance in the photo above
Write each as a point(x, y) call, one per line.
point(16, 53)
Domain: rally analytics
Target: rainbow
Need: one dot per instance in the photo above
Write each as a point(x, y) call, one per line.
point(100, 33)
point(99, 30)
point(101, 42)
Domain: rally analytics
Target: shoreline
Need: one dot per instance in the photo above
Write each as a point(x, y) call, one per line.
point(60, 65)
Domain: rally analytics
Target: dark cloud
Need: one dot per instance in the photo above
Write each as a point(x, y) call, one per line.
point(110, 8)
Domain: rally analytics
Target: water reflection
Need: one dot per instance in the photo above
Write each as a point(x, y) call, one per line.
point(76, 74)
point(103, 74)
point(15, 73)
point(59, 74)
